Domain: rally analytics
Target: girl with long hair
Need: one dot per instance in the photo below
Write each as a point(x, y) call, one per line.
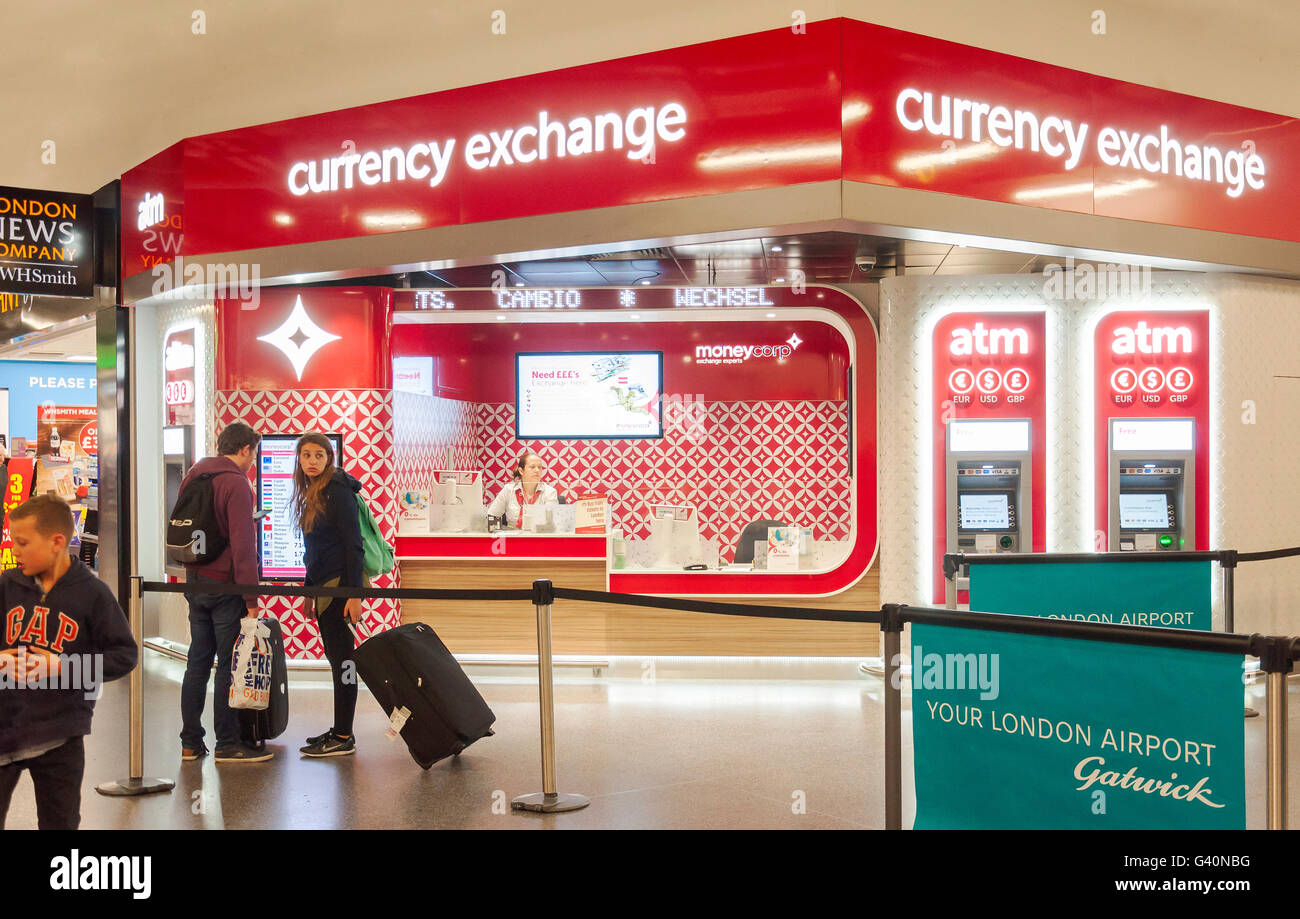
point(324, 507)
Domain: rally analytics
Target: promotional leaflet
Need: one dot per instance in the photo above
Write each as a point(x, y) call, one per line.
point(782, 548)
point(591, 511)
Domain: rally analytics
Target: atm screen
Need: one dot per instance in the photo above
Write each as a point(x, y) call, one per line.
point(984, 511)
point(1143, 510)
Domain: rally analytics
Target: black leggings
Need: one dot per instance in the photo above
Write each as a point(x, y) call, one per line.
point(338, 641)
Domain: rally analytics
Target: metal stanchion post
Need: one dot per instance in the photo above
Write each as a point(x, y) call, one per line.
point(548, 801)
point(891, 634)
point(135, 783)
point(1228, 565)
point(1275, 660)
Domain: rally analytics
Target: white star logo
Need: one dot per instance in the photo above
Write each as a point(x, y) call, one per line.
point(794, 341)
point(299, 338)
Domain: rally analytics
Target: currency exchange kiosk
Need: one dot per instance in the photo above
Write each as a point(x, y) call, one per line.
point(1151, 475)
point(989, 479)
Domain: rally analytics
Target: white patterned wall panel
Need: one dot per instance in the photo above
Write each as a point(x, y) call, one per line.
point(423, 428)
point(908, 310)
point(1257, 503)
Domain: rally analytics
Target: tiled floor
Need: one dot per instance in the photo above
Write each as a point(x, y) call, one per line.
point(711, 744)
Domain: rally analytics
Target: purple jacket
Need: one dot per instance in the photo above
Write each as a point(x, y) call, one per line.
point(237, 563)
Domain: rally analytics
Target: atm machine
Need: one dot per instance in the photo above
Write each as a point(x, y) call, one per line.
point(1151, 475)
point(989, 488)
point(178, 457)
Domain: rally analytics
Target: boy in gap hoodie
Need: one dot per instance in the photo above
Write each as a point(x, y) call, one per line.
point(64, 634)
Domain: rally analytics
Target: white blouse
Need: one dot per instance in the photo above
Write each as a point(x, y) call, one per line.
point(508, 502)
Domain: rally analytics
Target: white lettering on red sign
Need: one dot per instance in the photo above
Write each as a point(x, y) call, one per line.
point(738, 354)
point(149, 211)
point(638, 130)
point(970, 119)
point(179, 392)
point(1146, 340)
point(980, 340)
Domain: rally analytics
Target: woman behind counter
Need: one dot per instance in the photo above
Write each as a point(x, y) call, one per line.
point(527, 488)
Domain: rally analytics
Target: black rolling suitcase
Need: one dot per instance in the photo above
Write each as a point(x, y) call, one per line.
point(408, 669)
point(257, 726)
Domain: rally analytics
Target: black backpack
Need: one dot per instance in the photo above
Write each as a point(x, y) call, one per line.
point(193, 533)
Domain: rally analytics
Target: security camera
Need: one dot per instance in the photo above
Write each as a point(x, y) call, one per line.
point(865, 262)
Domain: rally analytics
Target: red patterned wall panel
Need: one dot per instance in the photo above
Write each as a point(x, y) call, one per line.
point(365, 419)
point(735, 461)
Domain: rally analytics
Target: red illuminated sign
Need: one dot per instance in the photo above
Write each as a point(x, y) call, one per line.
point(843, 100)
point(1153, 365)
point(306, 338)
point(179, 361)
point(988, 366)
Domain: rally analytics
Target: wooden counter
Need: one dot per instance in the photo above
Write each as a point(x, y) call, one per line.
point(599, 628)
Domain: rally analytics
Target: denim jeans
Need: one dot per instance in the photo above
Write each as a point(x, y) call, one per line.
point(214, 626)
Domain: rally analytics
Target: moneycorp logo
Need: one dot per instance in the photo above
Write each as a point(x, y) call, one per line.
point(738, 354)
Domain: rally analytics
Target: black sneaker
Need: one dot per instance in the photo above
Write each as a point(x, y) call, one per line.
point(242, 754)
point(312, 741)
point(331, 745)
point(189, 754)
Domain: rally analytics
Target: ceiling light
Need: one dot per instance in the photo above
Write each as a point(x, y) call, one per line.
point(771, 315)
point(776, 248)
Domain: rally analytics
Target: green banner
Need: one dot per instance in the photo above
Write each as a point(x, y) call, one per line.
point(1176, 595)
point(1017, 731)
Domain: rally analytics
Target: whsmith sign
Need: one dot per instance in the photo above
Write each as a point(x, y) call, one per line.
point(46, 243)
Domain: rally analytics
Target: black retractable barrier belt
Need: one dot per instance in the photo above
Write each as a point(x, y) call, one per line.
point(1215, 642)
point(1047, 558)
point(365, 593)
point(1264, 556)
point(724, 609)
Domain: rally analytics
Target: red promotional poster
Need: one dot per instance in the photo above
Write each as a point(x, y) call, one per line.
point(16, 489)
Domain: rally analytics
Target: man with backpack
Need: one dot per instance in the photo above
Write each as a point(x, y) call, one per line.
point(213, 533)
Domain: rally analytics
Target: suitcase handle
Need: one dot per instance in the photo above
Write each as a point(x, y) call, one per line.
point(359, 640)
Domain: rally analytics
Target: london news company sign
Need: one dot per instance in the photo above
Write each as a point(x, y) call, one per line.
point(46, 243)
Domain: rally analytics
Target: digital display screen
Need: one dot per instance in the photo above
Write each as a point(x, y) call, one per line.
point(984, 511)
point(281, 552)
point(588, 395)
point(1143, 510)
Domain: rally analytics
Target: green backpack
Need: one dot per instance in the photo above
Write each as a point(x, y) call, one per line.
point(378, 553)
